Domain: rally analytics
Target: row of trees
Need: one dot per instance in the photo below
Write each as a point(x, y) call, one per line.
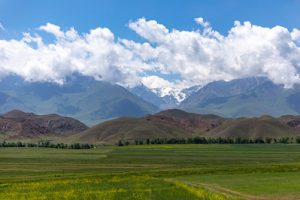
point(47, 144)
point(210, 140)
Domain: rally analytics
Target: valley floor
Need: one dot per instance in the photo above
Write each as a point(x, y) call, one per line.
point(152, 172)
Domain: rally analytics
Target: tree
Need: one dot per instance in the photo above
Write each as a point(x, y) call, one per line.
point(268, 140)
point(120, 143)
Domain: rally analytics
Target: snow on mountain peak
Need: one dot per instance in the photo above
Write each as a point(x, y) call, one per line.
point(177, 94)
point(164, 89)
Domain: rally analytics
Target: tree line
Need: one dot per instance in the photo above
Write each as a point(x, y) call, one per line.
point(210, 140)
point(47, 144)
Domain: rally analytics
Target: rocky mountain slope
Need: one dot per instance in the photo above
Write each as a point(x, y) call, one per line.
point(18, 125)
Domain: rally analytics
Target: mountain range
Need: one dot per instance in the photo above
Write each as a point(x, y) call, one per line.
point(92, 101)
point(174, 123)
point(83, 98)
point(246, 97)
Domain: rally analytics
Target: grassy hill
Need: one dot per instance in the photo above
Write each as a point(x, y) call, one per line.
point(166, 124)
point(179, 124)
point(127, 129)
point(174, 123)
point(264, 126)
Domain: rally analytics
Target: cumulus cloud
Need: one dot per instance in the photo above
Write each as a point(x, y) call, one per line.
point(150, 30)
point(95, 54)
point(164, 87)
point(201, 21)
point(296, 34)
point(54, 29)
point(205, 55)
point(196, 57)
point(154, 82)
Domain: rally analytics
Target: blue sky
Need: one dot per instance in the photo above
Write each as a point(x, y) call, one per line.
point(19, 16)
point(159, 43)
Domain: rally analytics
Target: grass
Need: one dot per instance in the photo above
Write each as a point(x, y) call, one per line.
point(152, 172)
point(132, 187)
point(259, 184)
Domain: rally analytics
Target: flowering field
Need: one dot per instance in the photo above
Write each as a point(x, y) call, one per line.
point(152, 172)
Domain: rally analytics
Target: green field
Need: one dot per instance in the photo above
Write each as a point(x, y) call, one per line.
point(152, 172)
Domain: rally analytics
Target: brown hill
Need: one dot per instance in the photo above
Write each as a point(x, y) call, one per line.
point(291, 121)
point(20, 125)
point(265, 126)
point(165, 124)
point(180, 124)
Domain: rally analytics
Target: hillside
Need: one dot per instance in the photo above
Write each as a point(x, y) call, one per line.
point(177, 123)
point(18, 125)
point(247, 97)
point(257, 127)
point(165, 124)
point(80, 97)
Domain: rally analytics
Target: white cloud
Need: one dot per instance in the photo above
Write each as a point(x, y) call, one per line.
point(54, 29)
point(94, 54)
point(203, 56)
point(201, 21)
point(197, 57)
point(154, 82)
point(296, 34)
point(164, 87)
point(2, 27)
point(150, 30)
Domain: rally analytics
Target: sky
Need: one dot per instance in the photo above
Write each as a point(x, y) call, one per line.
point(158, 43)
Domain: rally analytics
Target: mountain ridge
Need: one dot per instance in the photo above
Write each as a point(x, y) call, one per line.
point(79, 97)
point(94, 101)
point(163, 98)
point(175, 123)
point(247, 97)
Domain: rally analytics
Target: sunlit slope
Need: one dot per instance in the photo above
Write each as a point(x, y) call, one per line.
point(179, 124)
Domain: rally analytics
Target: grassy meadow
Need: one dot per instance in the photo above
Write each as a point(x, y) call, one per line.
point(266, 171)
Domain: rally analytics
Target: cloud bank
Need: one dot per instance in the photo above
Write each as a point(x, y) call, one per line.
point(196, 57)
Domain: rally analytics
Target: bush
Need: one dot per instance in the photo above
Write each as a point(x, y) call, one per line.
point(210, 140)
point(47, 144)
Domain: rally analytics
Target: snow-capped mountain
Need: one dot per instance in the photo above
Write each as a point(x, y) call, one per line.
point(164, 97)
point(177, 94)
point(191, 90)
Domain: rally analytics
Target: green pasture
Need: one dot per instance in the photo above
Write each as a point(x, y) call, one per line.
point(266, 171)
